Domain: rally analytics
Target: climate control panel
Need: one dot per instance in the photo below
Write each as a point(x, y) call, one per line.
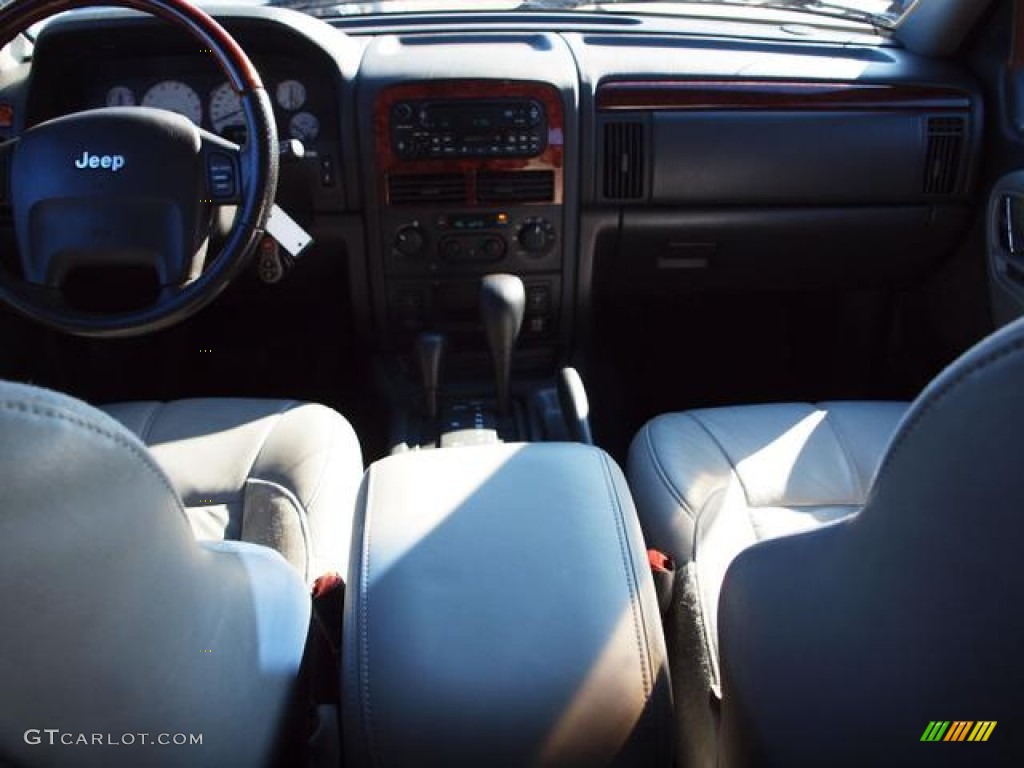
point(428, 242)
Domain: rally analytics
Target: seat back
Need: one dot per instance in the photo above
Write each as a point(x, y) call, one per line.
point(123, 637)
point(854, 643)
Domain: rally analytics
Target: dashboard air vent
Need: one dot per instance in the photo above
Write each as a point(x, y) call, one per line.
point(623, 161)
point(515, 186)
point(426, 188)
point(943, 161)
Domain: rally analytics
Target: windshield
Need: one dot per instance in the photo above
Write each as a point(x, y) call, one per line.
point(879, 13)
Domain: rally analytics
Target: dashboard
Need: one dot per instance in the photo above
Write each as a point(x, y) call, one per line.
point(584, 157)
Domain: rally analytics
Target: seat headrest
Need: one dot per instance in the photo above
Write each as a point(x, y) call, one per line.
point(859, 635)
point(955, 458)
point(70, 467)
point(116, 620)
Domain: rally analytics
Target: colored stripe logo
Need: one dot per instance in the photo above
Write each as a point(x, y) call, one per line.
point(958, 730)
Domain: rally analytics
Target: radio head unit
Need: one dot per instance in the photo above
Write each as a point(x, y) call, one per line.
point(468, 128)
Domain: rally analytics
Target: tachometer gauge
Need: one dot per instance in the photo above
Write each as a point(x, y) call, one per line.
point(304, 127)
point(175, 97)
point(226, 110)
point(120, 96)
point(291, 95)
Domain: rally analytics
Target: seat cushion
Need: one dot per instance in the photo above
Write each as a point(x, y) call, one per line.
point(275, 472)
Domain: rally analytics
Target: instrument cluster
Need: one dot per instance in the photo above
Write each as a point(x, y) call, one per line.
point(213, 103)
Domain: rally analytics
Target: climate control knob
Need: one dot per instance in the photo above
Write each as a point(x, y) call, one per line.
point(493, 248)
point(409, 240)
point(451, 249)
point(536, 235)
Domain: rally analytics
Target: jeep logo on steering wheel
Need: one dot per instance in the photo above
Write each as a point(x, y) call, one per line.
point(107, 162)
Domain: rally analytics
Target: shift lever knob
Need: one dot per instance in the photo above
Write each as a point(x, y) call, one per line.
point(429, 351)
point(502, 303)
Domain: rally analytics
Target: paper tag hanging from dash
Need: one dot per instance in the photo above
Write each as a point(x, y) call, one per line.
point(283, 228)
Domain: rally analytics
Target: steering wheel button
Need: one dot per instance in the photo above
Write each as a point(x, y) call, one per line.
point(221, 173)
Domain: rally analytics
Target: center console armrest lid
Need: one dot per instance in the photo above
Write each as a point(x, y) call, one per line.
point(500, 611)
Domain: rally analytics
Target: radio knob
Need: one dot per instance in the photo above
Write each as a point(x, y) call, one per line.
point(536, 235)
point(409, 240)
point(403, 112)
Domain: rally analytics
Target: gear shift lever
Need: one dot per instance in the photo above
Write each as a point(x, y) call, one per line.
point(502, 303)
point(429, 352)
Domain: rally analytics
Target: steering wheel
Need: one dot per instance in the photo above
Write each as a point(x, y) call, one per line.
point(133, 186)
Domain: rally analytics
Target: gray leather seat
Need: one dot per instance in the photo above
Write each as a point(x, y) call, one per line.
point(850, 643)
point(710, 483)
point(275, 472)
point(120, 629)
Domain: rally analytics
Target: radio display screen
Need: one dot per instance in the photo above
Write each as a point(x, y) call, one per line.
point(476, 116)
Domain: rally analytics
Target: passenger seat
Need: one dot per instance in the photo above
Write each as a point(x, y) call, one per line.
point(710, 483)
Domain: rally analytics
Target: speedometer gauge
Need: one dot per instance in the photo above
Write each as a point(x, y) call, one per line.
point(226, 109)
point(175, 97)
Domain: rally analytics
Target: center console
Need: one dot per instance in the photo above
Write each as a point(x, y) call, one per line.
point(471, 189)
point(499, 606)
point(500, 611)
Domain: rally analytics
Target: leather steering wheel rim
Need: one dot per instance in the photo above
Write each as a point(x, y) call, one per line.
point(258, 171)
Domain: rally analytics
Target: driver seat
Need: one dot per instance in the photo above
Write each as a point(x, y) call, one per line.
point(120, 628)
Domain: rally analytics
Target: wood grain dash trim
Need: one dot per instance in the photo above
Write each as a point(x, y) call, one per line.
point(775, 95)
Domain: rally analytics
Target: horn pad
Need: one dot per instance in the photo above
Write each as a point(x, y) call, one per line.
point(108, 186)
